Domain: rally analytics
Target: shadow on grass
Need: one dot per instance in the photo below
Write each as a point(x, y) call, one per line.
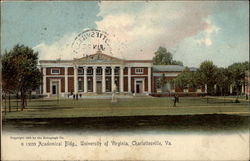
point(186, 123)
point(49, 108)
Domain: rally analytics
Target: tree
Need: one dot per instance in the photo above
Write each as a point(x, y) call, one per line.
point(20, 71)
point(237, 74)
point(164, 57)
point(9, 81)
point(222, 80)
point(186, 79)
point(206, 75)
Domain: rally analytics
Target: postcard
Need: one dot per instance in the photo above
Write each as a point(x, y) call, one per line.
point(129, 80)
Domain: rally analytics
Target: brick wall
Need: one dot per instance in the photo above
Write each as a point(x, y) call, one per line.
point(47, 85)
point(125, 84)
point(70, 71)
point(71, 84)
point(146, 83)
point(132, 85)
point(125, 71)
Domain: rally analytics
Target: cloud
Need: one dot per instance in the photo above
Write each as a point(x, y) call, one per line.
point(208, 32)
point(140, 32)
point(137, 29)
point(60, 49)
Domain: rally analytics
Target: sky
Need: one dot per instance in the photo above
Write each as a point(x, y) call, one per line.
point(193, 31)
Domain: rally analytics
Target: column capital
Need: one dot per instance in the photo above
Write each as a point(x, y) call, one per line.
point(113, 67)
point(103, 67)
point(94, 67)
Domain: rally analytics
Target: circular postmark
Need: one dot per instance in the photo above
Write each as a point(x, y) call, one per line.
point(90, 41)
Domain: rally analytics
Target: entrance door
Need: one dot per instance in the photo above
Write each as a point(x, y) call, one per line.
point(108, 85)
point(54, 88)
point(99, 87)
point(138, 86)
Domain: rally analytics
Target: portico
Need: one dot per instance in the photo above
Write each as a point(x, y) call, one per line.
point(98, 78)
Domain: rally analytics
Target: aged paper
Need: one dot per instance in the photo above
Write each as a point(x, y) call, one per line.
point(101, 95)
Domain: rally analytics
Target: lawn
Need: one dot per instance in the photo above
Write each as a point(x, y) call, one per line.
point(67, 108)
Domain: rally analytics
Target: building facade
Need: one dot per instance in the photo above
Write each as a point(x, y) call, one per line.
point(100, 73)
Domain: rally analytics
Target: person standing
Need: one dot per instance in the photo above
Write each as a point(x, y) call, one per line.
point(175, 100)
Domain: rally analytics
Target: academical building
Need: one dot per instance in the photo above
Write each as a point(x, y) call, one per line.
point(100, 73)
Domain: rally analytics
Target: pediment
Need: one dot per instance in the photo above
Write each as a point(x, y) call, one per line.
point(98, 58)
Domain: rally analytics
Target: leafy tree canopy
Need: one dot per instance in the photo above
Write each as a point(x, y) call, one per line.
point(20, 71)
point(186, 79)
point(164, 57)
point(206, 73)
point(237, 74)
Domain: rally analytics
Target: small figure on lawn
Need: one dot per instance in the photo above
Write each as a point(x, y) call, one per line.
point(178, 100)
point(175, 99)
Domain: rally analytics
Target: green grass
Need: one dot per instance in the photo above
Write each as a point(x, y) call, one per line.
point(126, 107)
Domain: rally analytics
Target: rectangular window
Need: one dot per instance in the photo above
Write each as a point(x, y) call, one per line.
point(55, 71)
point(107, 71)
point(89, 71)
point(99, 71)
point(90, 85)
point(80, 71)
point(80, 84)
point(117, 71)
point(138, 70)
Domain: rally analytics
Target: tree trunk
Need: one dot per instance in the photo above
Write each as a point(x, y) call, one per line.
point(5, 101)
point(22, 103)
point(237, 97)
point(25, 101)
point(17, 101)
point(22, 98)
point(9, 104)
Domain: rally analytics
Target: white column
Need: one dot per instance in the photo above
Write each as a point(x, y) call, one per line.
point(242, 89)
point(85, 81)
point(44, 81)
point(121, 79)
point(103, 80)
point(75, 80)
point(215, 87)
point(129, 79)
point(94, 79)
point(66, 80)
point(231, 89)
point(113, 78)
point(205, 88)
point(149, 79)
